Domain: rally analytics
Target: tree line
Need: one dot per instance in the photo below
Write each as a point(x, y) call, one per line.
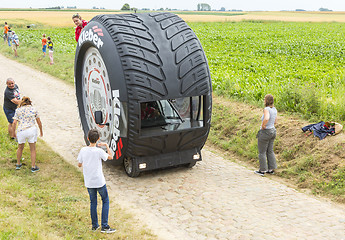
point(200, 7)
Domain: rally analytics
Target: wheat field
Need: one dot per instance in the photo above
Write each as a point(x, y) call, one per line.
point(63, 18)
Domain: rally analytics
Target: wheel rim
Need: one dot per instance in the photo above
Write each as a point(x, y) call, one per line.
point(96, 92)
point(128, 165)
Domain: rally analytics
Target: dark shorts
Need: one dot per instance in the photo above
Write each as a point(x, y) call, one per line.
point(44, 48)
point(9, 114)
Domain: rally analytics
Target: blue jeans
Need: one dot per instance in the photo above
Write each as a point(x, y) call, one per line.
point(93, 205)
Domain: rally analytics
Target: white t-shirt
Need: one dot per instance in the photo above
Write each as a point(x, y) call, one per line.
point(91, 158)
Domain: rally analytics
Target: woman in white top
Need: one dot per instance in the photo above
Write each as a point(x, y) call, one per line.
point(26, 116)
point(266, 136)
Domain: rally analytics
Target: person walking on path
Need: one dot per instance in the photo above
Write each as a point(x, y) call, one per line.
point(9, 36)
point(80, 24)
point(25, 116)
point(51, 51)
point(15, 43)
point(5, 32)
point(11, 101)
point(90, 158)
point(44, 45)
point(266, 136)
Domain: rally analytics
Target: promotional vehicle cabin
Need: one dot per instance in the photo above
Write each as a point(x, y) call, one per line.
point(143, 81)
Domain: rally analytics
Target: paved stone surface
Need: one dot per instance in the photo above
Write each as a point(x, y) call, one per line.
point(217, 199)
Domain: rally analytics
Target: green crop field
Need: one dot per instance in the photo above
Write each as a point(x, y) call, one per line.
point(301, 64)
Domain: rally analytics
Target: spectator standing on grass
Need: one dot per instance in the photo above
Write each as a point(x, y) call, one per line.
point(51, 51)
point(266, 136)
point(5, 32)
point(25, 116)
point(44, 45)
point(9, 36)
point(11, 101)
point(90, 158)
point(80, 24)
point(15, 43)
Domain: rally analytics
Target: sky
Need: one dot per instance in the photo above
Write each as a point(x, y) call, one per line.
point(245, 5)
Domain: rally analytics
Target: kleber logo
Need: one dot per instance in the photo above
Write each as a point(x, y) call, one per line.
point(92, 35)
point(97, 30)
point(116, 142)
point(96, 81)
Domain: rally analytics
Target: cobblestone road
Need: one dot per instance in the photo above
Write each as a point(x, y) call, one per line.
point(217, 199)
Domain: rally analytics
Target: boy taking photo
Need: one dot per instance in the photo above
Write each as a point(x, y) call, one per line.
point(90, 158)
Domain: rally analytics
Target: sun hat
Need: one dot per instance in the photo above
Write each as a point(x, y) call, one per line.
point(338, 127)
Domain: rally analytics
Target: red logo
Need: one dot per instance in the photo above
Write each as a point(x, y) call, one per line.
point(97, 30)
point(119, 147)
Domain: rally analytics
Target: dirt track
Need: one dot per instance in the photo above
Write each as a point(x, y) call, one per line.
point(217, 199)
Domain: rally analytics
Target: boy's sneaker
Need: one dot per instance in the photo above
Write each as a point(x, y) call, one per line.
point(259, 173)
point(95, 228)
point(18, 166)
point(35, 169)
point(108, 230)
point(270, 172)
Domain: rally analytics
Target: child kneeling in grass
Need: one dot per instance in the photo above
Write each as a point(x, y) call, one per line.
point(91, 159)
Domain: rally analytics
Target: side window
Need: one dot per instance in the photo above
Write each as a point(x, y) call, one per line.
point(190, 108)
point(172, 114)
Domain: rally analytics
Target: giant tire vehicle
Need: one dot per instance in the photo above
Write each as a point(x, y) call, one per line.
point(129, 65)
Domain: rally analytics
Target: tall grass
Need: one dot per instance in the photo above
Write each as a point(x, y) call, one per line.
point(53, 202)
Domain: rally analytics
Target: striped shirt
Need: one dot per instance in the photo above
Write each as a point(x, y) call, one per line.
point(15, 39)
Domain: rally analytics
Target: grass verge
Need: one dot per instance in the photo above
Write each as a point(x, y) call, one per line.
point(305, 161)
point(30, 51)
point(52, 203)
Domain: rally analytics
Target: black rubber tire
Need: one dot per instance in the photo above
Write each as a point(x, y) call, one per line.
point(130, 166)
point(149, 57)
point(162, 59)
